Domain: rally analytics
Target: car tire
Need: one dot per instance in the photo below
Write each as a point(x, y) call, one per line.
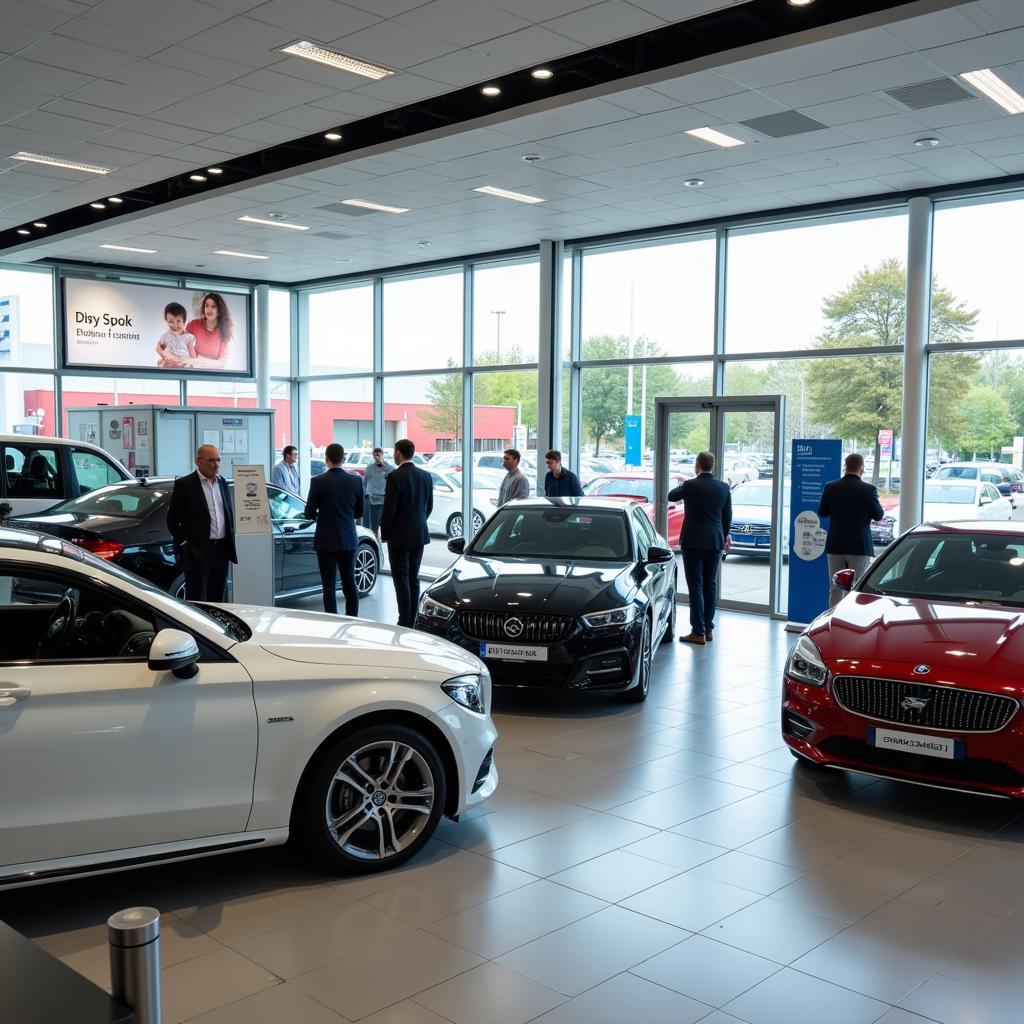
point(670, 627)
point(453, 528)
point(367, 568)
point(382, 832)
point(638, 694)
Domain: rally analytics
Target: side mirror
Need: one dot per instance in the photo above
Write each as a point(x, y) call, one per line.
point(457, 545)
point(5, 510)
point(658, 555)
point(844, 579)
point(174, 650)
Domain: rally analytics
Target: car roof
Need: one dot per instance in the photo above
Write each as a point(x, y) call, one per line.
point(12, 537)
point(48, 439)
point(618, 505)
point(967, 528)
point(975, 464)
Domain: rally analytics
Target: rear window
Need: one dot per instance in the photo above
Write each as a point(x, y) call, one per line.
point(957, 473)
point(129, 502)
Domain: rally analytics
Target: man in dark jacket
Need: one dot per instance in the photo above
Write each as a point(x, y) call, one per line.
point(560, 482)
point(201, 520)
point(850, 505)
point(704, 538)
point(336, 502)
point(408, 502)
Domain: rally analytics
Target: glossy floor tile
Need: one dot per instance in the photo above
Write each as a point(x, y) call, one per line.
point(663, 862)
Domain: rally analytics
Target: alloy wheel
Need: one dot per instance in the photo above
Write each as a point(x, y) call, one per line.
point(455, 526)
point(365, 569)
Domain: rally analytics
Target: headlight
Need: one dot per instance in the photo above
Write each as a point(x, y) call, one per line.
point(431, 609)
point(805, 663)
point(466, 690)
point(613, 617)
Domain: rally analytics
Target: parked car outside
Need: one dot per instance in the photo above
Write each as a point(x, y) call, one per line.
point(638, 486)
point(1008, 480)
point(751, 530)
point(446, 518)
point(142, 729)
point(946, 499)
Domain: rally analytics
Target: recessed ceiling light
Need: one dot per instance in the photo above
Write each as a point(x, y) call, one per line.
point(39, 224)
point(214, 170)
point(491, 90)
point(928, 143)
point(503, 193)
point(532, 158)
point(340, 259)
point(989, 83)
point(800, 3)
point(542, 73)
point(275, 223)
point(128, 248)
point(424, 244)
point(98, 206)
point(715, 137)
point(321, 55)
point(24, 231)
point(333, 136)
point(56, 161)
point(115, 199)
point(365, 204)
point(693, 182)
point(197, 177)
point(240, 255)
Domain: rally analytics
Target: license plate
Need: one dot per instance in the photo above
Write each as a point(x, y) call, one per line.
point(513, 652)
point(916, 743)
point(762, 542)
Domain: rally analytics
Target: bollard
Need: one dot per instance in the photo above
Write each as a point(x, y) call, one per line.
point(134, 937)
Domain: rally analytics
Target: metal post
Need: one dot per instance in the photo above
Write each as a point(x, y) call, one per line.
point(262, 368)
point(549, 356)
point(134, 937)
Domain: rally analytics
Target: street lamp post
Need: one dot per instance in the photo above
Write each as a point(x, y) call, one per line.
point(499, 313)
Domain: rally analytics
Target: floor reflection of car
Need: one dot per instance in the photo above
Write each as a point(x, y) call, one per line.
point(916, 674)
point(955, 499)
point(638, 486)
point(127, 524)
point(751, 530)
point(141, 729)
point(568, 593)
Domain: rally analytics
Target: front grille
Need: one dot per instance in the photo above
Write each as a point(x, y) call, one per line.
point(750, 528)
point(890, 700)
point(536, 627)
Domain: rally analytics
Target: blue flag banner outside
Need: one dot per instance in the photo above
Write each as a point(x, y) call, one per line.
point(815, 462)
point(634, 446)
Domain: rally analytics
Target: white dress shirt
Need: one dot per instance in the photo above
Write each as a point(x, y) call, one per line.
point(215, 503)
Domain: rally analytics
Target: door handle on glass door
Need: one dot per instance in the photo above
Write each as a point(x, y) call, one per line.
point(12, 694)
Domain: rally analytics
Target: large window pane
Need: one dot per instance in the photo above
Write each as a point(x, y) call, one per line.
point(504, 416)
point(423, 322)
point(506, 313)
point(814, 285)
point(26, 318)
point(649, 301)
point(79, 392)
point(339, 411)
point(242, 395)
point(341, 330)
point(977, 267)
point(27, 404)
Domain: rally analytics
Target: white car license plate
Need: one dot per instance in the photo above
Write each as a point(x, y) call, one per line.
point(513, 652)
point(916, 743)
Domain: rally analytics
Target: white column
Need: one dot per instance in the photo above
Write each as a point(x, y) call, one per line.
point(263, 346)
point(549, 355)
point(915, 362)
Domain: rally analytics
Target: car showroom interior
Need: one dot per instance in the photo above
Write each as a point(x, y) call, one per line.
point(511, 511)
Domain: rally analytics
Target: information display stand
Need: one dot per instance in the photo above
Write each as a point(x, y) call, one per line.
point(253, 576)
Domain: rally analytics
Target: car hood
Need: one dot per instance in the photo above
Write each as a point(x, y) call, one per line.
point(316, 638)
point(938, 511)
point(555, 587)
point(868, 634)
point(752, 514)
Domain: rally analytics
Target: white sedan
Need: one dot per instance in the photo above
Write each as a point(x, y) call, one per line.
point(135, 728)
point(446, 519)
point(946, 500)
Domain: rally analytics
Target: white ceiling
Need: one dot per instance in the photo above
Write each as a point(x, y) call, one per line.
point(610, 164)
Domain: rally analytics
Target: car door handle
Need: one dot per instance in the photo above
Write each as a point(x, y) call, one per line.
point(289, 529)
point(12, 694)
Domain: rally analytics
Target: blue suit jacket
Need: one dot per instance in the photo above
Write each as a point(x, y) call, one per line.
point(707, 507)
point(335, 501)
point(850, 504)
point(567, 485)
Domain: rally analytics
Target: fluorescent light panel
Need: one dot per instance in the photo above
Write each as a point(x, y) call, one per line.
point(989, 83)
point(274, 223)
point(240, 255)
point(56, 161)
point(716, 138)
point(128, 248)
point(321, 55)
point(503, 193)
point(365, 204)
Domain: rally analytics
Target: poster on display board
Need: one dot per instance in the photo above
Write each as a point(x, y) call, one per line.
point(155, 329)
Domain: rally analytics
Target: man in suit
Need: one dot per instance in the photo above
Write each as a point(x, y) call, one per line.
point(336, 501)
point(704, 538)
point(201, 520)
point(408, 502)
point(850, 505)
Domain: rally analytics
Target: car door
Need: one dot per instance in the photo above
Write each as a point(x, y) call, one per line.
point(656, 577)
point(99, 753)
point(447, 501)
point(992, 504)
point(294, 533)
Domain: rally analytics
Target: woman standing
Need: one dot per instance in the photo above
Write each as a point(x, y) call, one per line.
point(214, 330)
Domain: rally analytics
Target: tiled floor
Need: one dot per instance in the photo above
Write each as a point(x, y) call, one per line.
point(667, 863)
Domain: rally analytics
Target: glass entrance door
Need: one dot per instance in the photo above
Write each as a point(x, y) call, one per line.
point(745, 436)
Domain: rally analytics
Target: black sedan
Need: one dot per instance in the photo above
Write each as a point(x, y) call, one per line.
point(570, 593)
point(126, 523)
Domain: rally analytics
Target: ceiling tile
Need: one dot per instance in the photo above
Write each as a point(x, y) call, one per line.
point(394, 45)
point(315, 19)
point(529, 46)
point(740, 107)
point(464, 67)
point(461, 21)
point(613, 19)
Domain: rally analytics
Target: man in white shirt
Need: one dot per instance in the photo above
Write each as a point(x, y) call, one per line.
point(201, 521)
point(286, 472)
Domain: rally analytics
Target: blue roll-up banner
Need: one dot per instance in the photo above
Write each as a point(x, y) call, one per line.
point(815, 462)
point(634, 446)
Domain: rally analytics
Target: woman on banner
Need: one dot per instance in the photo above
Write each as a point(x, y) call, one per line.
point(213, 331)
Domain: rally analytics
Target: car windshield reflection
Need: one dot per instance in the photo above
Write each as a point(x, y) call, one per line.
point(556, 533)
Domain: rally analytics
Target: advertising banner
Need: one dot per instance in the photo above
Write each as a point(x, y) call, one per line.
point(252, 505)
point(814, 463)
point(146, 328)
point(634, 454)
point(885, 444)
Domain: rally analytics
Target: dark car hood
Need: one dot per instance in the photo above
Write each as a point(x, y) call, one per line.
point(563, 588)
point(869, 634)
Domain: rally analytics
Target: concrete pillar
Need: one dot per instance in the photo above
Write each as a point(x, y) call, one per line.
point(549, 355)
point(263, 348)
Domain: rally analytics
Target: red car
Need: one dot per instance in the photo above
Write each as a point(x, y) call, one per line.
point(918, 673)
point(639, 487)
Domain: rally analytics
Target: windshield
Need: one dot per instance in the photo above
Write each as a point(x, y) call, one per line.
point(978, 567)
point(948, 494)
point(956, 473)
point(556, 533)
point(117, 500)
point(750, 494)
point(641, 487)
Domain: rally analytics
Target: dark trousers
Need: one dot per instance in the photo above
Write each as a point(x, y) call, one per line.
point(701, 571)
point(371, 517)
point(206, 577)
point(405, 573)
point(333, 564)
